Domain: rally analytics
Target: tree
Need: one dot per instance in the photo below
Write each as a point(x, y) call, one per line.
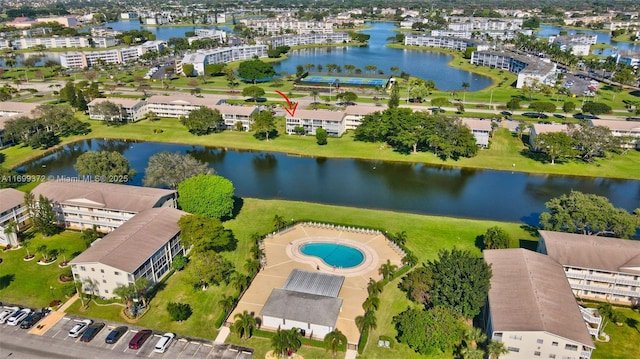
point(187, 69)
point(111, 113)
point(556, 145)
point(254, 70)
point(496, 238)
point(439, 102)
point(367, 321)
point(280, 342)
point(244, 325)
point(321, 136)
point(513, 104)
point(201, 233)
point(460, 281)
point(208, 268)
point(43, 218)
point(279, 222)
point(264, 125)
point(253, 91)
point(179, 262)
point(594, 141)
point(596, 108)
point(374, 287)
point(179, 312)
point(542, 106)
point(239, 281)
point(465, 87)
point(371, 303)
point(394, 97)
point(170, 168)
point(568, 106)
point(226, 302)
point(473, 336)
point(105, 166)
point(521, 128)
point(90, 235)
point(202, 121)
point(335, 340)
point(431, 331)
point(209, 195)
point(588, 214)
point(417, 283)
point(347, 96)
point(496, 349)
point(386, 270)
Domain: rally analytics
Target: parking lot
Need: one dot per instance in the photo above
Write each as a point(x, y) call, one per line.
point(56, 340)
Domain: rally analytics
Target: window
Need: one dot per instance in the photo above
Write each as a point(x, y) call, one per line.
point(101, 270)
point(554, 344)
point(82, 268)
point(539, 341)
point(536, 353)
point(571, 347)
point(104, 281)
point(515, 337)
point(106, 291)
point(552, 356)
point(93, 269)
point(513, 349)
point(116, 273)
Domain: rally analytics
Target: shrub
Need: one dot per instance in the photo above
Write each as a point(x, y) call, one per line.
point(179, 262)
point(179, 311)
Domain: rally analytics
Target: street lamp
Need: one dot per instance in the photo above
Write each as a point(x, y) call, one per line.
point(51, 289)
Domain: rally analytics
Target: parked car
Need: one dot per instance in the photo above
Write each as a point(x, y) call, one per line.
point(5, 314)
point(18, 316)
point(91, 332)
point(79, 328)
point(163, 343)
point(115, 335)
point(32, 319)
point(506, 113)
point(584, 116)
point(535, 115)
point(139, 339)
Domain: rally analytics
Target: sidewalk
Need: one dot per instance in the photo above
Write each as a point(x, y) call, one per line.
point(53, 317)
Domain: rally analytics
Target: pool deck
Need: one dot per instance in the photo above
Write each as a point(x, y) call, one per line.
point(282, 254)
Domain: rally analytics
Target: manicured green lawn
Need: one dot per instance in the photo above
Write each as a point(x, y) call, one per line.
point(29, 283)
point(262, 345)
point(624, 339)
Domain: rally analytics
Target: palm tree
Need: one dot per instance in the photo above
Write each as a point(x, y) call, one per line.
point(471, 353)
point(294, 340)
point(278, 222)
point(496, 349)
point(472, 336)
point(42, 249)
point(386, 270)
point(252, 265)
point(226, 302)
point(10, 230)
point(335, 340)
point(374, 288)
point(394, 69)
point(315, 94)
point(367, 321)
point(400, 238)
point(239, 281)
point(244, 325)
point(465, 86)
point(371, 303)
point(280, 343)
point(409, 259)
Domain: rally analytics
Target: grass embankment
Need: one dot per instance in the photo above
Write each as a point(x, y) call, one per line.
point(505, 152)
point(624, 339)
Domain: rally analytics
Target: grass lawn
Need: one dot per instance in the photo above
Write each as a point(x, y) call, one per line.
point(28, 283)
point(263, 345)
point(624, 339)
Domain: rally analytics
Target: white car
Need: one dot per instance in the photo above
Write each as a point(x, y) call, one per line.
point(5, 314)
point(164, 342)
point(17, 317)
point(79, 328)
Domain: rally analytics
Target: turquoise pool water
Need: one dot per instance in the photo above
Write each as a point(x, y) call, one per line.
point(334, 254)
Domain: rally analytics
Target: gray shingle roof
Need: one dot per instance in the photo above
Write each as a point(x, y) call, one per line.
point(530, 292)
point(131, 244)
point(102, 195)
point(10, 198)
point(584, 251)
point(303, 307)
point(328, 285)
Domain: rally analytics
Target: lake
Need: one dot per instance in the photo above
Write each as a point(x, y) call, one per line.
point(396, 186)
point(604, 37)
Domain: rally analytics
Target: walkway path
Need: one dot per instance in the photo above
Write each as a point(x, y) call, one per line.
point(351, 354)
point(53, 317)
point(222, 335)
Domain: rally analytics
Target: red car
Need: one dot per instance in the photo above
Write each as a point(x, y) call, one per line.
point(139, 339)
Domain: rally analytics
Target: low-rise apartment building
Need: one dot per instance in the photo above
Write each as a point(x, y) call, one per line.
point(453, 43)
point(12, 212)
point(531, 308)
point(628, 57)
point(82, 203)
point(537, 129)
point(63, 42)
point(202, 58)
point(131, 109)
point(597, 268)
point(529, 69)
point(232, 115)
point(354, 115)
point(176, 106)
point(83, 59)
point(332, 121)
point(579, 45)
point(466, 23)
point(144, 246)
point(630, 130)
point(481, 130)
point(284, 25)
point(10, 110)
point(304, 39)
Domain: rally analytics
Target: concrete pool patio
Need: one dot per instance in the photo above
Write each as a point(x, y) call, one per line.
point(283, 255)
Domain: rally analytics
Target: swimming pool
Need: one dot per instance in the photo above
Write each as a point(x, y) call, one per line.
point(334, 254)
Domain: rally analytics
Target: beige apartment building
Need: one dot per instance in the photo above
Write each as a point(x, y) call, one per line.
point(598, 268)
point(531, 308)
point(144, 246)
point(12, 209)
point(82, 203)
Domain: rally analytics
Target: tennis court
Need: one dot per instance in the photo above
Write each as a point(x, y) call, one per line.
point(346, 81)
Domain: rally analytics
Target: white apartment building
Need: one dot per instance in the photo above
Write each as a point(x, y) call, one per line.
point(529, 69)
point(464, 23)
point(354, 115)
point(628, 57)
point(304, 39)
point(464, 34)
point(481, 130)
point(202, 58)
point(144, 246)
point(85, 59)
point(10, 110)
point(283, 25)
point(627, 129)
point(131, 109)
point(579, 45)
point(83, 203)
point(453, 43)
point(598, 268)
point(332, 121)
point(177, 106)
point(531, 308)
point(12, 210)
point(62, 42)
point(129, 15)
point(537, 129)
point(236, 114)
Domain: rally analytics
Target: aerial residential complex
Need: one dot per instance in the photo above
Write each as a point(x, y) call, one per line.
point(285, 24)
point(202, 58)
point(529, 69)
point(79, 60)
point(304, 39)
point(444, 42)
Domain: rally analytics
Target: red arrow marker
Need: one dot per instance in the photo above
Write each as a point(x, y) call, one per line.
point(292, 109)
